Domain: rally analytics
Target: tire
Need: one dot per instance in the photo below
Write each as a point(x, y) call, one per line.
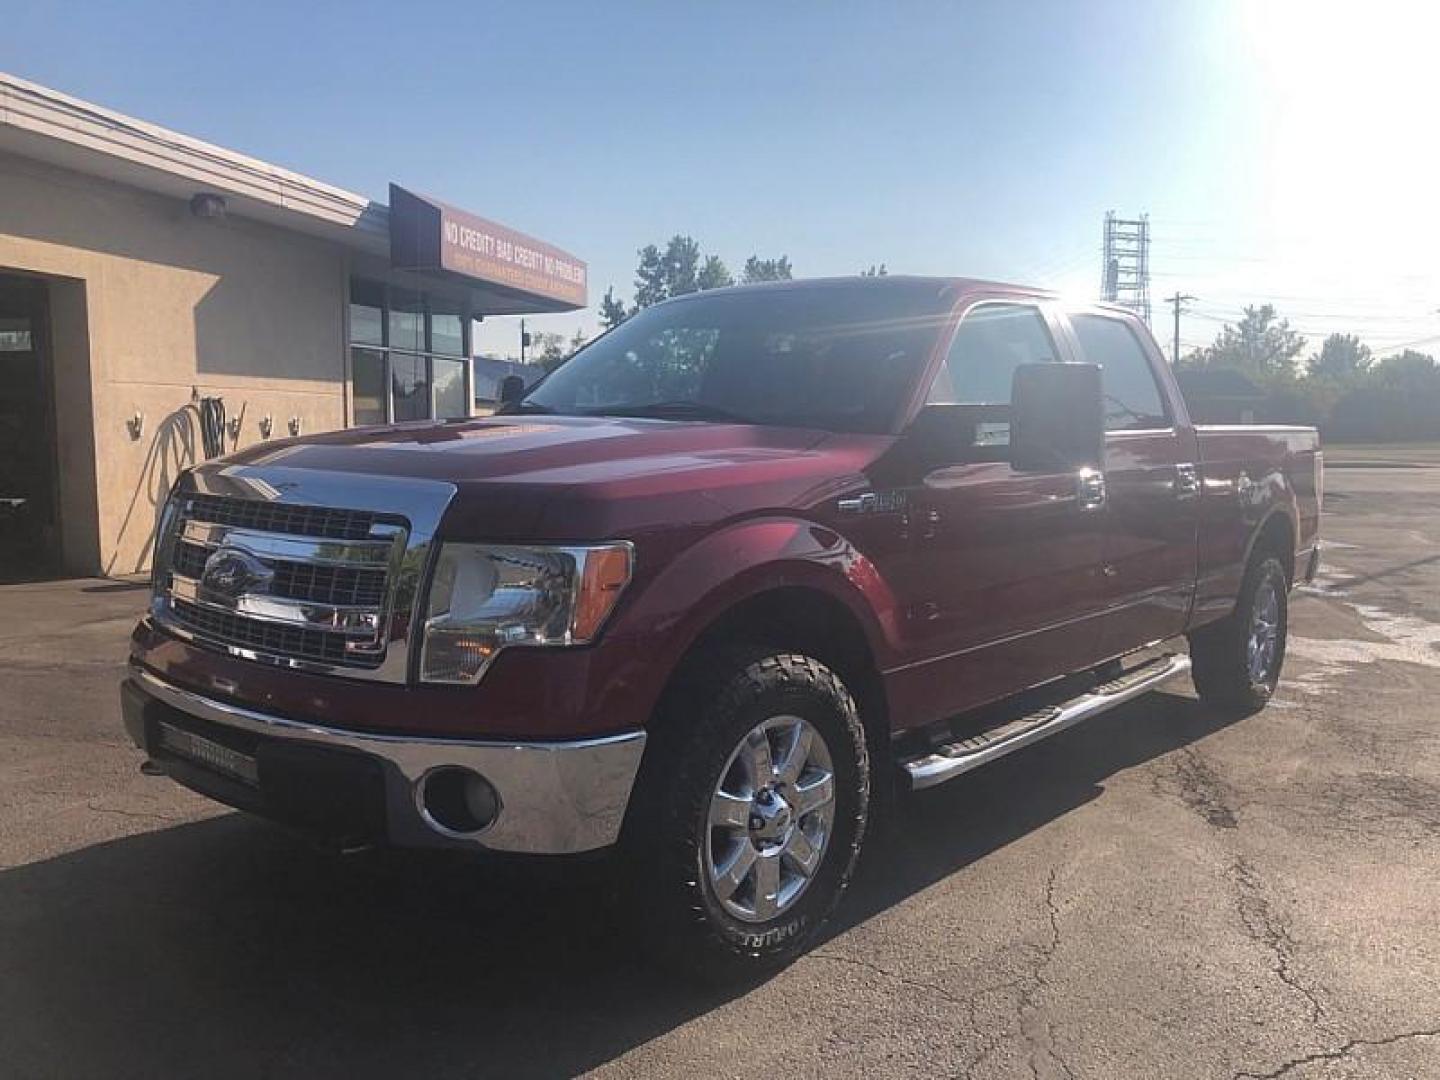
point(1236, 662)
point(722, 860)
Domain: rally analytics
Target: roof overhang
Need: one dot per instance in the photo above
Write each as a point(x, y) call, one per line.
point(44, 125)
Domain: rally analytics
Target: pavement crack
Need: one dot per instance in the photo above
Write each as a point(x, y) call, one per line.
point(1035, 1024)
point(1266, 928)
point(1202, 790)
point(1338, 1054)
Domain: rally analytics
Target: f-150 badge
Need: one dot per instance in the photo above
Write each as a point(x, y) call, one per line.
point(873, 502)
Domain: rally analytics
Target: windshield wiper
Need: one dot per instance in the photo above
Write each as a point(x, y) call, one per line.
point(678, 410)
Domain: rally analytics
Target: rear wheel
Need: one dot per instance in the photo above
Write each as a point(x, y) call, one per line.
point(759, 792)
point(1236, 662)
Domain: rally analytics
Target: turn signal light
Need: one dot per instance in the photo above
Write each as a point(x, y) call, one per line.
point(606, 573)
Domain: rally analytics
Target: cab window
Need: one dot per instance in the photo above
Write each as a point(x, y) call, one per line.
point(990, 343)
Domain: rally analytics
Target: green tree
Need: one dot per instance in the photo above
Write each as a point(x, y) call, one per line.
point(713, 275)
point(1407, 368)
point(1342, 356)
point(1261, 344)
point(676, 270)
point(612, 310)
point(758, 269)
point(548, 349)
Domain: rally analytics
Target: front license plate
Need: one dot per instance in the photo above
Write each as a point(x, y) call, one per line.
point(211, 754)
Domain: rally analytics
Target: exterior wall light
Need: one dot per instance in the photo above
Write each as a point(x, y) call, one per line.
point(207, 206)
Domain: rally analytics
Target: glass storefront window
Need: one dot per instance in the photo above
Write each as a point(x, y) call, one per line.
point(367, 386)
point(407, 321)
point(367, 313)
point(408, 354)
point(447, 333)
point(409, 386)
point(449, 388)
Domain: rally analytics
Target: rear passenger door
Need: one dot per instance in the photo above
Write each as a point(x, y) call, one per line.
point(1152, 481)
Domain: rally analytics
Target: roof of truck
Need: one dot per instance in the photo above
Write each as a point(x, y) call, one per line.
point(959, 285)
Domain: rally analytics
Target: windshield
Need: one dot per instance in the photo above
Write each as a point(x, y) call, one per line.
point(840, 357)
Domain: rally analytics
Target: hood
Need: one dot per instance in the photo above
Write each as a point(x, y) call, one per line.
point(546, 477)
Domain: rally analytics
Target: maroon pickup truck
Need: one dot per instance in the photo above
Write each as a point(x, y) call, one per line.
point(714, 589)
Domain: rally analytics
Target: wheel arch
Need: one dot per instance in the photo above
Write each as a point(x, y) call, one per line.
point(1276, 532)
point(800, 618)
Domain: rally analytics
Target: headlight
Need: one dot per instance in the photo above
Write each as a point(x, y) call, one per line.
point(484, 597)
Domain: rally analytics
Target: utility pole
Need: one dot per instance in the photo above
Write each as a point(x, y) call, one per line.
point(524, 341)
point(1178, 303)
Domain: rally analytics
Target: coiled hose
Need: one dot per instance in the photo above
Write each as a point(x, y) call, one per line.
point(212, 425)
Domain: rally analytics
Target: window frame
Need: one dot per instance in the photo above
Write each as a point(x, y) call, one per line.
point(385, 349)
point(1128, 321)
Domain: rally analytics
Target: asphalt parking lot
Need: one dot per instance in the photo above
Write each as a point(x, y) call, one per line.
point(1164, 892)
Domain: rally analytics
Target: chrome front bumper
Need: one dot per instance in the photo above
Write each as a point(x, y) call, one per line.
point(555, 797)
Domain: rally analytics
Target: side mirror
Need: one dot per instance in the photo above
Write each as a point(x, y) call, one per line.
point(1057, 418)
point(512, 389)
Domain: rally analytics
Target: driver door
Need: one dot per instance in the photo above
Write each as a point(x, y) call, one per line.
point(1003, 589)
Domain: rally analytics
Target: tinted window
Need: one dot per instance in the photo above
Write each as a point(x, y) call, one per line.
point(410, 388)
point(367, 386)
point(1132, 397)
point(839, 357)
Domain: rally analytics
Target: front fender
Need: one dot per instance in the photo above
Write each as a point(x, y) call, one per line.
point(746, 559)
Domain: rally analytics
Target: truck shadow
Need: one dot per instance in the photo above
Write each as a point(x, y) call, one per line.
point(227, 947)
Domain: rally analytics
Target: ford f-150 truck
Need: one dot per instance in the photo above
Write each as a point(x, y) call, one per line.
point(715, 588)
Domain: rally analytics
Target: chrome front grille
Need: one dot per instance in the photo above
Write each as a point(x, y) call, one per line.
point(262, 564)
point(321, 583)
point(322, 521)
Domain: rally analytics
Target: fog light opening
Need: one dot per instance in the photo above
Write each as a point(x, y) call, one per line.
point(458, 802)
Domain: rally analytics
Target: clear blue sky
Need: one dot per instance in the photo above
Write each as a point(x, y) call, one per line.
point(1284, 151)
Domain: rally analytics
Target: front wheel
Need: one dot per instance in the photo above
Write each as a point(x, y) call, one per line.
point(1236, 662)
point(760, 791)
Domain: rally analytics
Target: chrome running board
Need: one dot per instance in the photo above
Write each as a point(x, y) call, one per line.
point(949, 760)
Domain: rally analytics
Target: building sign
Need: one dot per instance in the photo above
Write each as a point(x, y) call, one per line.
point(426, 234)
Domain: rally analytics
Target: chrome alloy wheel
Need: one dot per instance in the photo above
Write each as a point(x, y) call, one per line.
point(770, 818)
point(1264, 635)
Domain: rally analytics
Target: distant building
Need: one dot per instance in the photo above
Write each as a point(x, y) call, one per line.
point(145, 274)
point(489, 372)
point(1220, 395)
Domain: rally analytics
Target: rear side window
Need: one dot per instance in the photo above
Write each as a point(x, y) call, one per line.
point(1132, 396)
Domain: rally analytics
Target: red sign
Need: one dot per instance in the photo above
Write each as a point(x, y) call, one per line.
point(426, 234)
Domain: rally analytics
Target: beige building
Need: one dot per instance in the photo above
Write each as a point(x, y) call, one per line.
point(161, 298)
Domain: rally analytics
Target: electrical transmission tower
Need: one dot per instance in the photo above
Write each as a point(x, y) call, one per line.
point(1125, 265)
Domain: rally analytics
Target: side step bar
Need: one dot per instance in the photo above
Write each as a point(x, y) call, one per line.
point(949, 760)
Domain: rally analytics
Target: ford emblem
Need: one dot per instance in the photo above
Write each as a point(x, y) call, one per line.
point(231, 573)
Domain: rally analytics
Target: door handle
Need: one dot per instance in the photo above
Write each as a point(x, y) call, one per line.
point(1090, 489)
point(1187, 481)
